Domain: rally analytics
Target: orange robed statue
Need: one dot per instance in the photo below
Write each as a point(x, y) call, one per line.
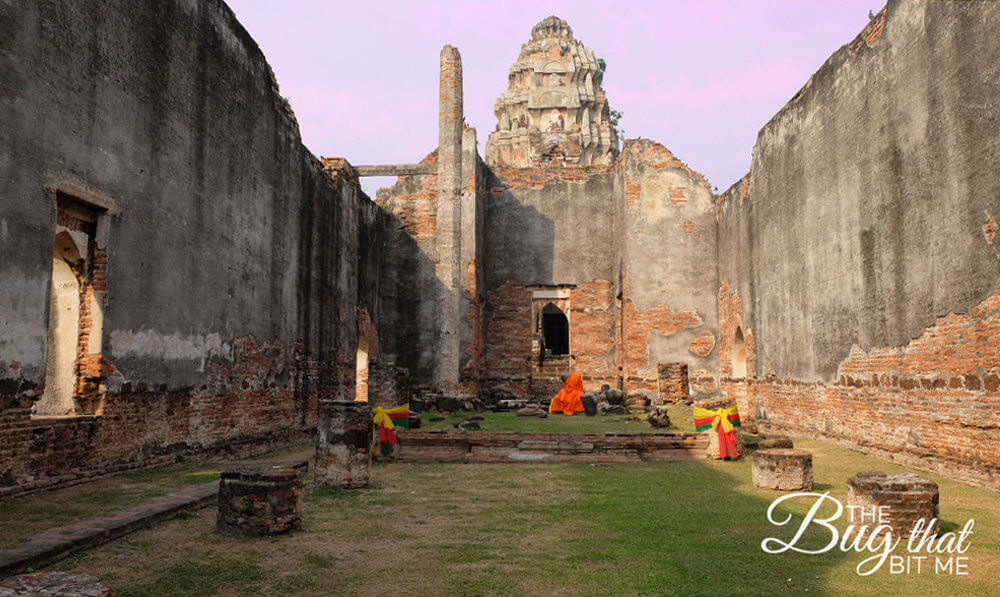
point(567, 401)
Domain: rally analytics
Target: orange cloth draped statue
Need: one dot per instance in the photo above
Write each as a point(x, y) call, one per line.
point(567, 401)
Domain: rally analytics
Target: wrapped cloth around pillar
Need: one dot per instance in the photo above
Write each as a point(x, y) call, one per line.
point(721, 419)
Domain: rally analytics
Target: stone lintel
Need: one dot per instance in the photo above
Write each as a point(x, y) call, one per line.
point(395, 169)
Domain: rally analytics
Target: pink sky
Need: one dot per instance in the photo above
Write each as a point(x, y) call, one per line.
point(701, 77)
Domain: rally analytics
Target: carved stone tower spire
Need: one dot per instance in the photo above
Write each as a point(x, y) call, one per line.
point(554, 111)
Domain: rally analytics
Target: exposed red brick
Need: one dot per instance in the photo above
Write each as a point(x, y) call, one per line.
point(939, 406)
point(639, 373)
point(870, 35)
point(658, 157)
point(703, 344)
point(416, 210)
point(473, 371)
point(990, 230)
point(632, 191)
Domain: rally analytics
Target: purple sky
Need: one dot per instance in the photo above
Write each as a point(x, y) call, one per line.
point(701, 77)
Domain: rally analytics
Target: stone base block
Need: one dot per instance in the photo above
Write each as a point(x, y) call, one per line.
point(260, 501)
point(782, 468)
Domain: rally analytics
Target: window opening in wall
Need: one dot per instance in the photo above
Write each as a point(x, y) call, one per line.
point(361, 385)
point(73, 369)
point(555, 331)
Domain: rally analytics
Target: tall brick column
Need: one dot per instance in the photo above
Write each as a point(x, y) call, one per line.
point(449, 216)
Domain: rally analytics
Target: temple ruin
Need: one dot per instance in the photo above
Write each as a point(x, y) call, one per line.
point(183, 278)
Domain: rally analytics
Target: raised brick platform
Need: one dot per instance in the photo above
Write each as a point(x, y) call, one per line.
point(511, 446)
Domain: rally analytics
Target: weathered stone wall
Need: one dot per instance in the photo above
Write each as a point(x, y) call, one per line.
point(408, 334)
point(232, 263)
point(546, 228)
point(859, 254)
point(669, 269)
point(411, 283)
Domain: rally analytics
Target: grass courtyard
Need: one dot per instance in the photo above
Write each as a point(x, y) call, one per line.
point(673, 528)
point(680, 420)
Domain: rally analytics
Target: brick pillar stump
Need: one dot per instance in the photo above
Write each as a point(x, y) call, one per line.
point(782, 468)
point(343, 449)
point(909, 498)
point(259, 501)
point(53, 583)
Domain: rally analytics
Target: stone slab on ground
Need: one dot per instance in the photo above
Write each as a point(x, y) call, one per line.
point(53, 584)
point(55, 544)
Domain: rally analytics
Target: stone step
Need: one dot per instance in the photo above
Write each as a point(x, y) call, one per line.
point(55, 544)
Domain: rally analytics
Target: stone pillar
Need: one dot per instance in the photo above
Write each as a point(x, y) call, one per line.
point(343, 449)
point(259, 501)
point(471, 333)
point(449, 217)
point(909, 498)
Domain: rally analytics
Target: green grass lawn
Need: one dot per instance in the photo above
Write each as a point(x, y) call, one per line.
point(680, 420)
point(671, 528)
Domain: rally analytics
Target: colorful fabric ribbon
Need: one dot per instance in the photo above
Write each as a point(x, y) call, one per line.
point(724, 420)
point(387, 419)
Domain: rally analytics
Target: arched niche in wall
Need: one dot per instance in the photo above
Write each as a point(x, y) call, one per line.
point(738, 355)
point(361, 371)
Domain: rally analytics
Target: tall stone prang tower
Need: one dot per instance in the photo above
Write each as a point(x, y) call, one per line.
point(554, 111)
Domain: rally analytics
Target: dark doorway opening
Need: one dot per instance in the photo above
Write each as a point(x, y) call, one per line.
point(555, 331)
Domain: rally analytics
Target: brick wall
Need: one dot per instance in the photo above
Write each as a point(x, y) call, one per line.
point(512, 342)
point(932, 404)
point(265, 399)
point(669, 279)
point(731, 319)
point(389, 384)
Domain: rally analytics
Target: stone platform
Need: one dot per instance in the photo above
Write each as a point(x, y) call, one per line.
point(533, 447)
